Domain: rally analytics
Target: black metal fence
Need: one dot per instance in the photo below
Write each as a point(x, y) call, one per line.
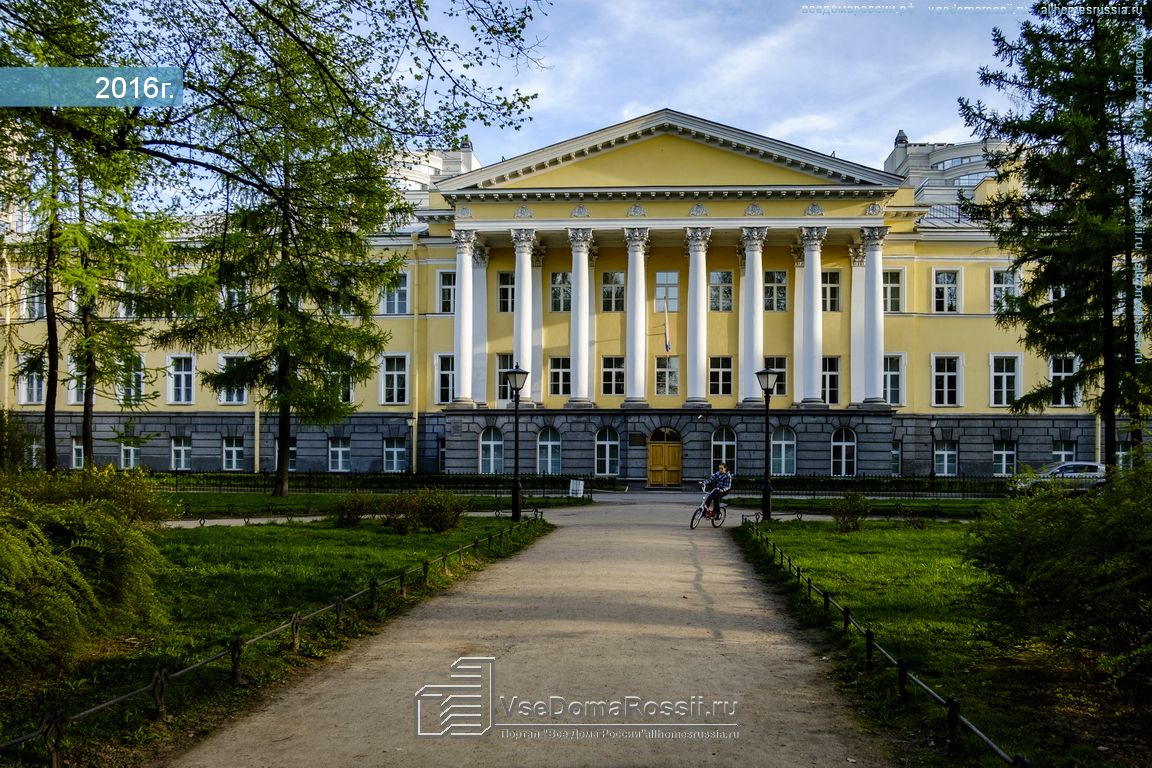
point(904, 676)
point(880, 486)
point(538, 486)
point(53, 725)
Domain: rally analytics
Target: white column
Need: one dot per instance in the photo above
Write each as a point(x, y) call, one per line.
point(465, 239)
point(697, 377)
point(581, 239)
point(856, 347)
point(752, 314)
point(636, 321)
point(524, 240)
point(593, 303)
point(480, 323)
point(796, 297)
point(536, 366)
point(813, 321)
point(874, 313)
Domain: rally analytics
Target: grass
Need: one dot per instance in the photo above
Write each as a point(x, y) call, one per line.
point(878, 508)
point(911, 587)
point(212, 505)
point(226, 581)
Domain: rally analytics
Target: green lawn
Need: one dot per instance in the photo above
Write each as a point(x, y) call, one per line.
point(224, 581)
point(911, 587)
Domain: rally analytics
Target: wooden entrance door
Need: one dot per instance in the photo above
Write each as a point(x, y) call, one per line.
point(664, 458)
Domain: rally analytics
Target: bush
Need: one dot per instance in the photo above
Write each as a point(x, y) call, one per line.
point(849, 511)
point(348, 511)
point(1072, 570)
point(131, 493)
point(401, 513)
point(438, 509)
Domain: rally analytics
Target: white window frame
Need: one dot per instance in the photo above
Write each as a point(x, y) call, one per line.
point(31, 387)
point(893, 293)
point(783, 451)
point(612, 378)
point(395, 454)
point(998, 387)
point(174, 376)
point(505, 292)
point(724, 447)
point(959, 377)
point(940, 292)
point(843, 453)
point(560, 292)
point(504, 363)
point(549, 452)
point(831, 290)
point(231, 396)
point(667, 292)
point(612, 294)
point(720, 375)
point(34, 303)
point(396, 301)
point(232, 454)
point(129, 456)
point(445, 377)
point(946, 459)
point(607, 452)
point(1062, 454)
point(393, 380)
point(830, 379)
point(340, 454)
point(1004, 458)
point(1074, 401)
point(180, 453)
point(560, 376)
point(897, 375)
point(996, 291)
point(491, 455)
point(721, 289)
point(77, 453)
point(134, 393)
point(667, 375)
point(775, 292)
point(779, 363)
point(446, 291)
point(75, 383)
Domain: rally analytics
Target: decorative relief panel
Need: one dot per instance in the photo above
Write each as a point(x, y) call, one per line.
point(637, 210)
point(754, 209)
point(463, 212)
point(698, 210)
point(814, 210)
point(523, 212)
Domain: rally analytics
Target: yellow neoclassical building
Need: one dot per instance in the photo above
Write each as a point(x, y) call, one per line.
point(642, 274)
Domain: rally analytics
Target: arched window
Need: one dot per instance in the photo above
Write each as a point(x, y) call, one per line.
point(607, 452)
point(783, 451)
point(724, 448)
point(548, 451)
point(491, 451)
point(843, 453)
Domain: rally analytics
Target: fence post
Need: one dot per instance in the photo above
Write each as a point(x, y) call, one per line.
point(339, 613)
point(444, 559)
point(235, 648)
point(847, 618)
point(953, 723)
point(295, 626)
point(372, 587)
point(902, 677)
point(869, 647)
point(159, 686)
point(403, 588)
point(425, 565)
point(799, 578)
point(53, 735)
point(827, 601)
point(809, 589)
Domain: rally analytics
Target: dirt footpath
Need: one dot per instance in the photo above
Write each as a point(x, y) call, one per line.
point(621, 639)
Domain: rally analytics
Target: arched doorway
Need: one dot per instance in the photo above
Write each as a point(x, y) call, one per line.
point(665, 450)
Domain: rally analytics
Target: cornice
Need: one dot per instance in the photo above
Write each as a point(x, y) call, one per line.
point(656, 194)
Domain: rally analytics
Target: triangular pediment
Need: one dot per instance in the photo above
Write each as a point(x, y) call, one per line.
point(669, 149)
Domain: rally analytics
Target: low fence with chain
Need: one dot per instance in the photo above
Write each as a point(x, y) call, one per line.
point(904, 676)
point(54, 725)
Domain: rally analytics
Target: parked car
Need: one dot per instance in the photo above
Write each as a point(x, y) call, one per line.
point(1074, 475)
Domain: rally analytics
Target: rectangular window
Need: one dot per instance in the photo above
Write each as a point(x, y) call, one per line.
point(830, 290)
point(395, 454)
point(612, 376)
point(395, 301)
point(34, 304)
point(504, 364)
point(291, 453)
point(946, 287)
point(75, 382)
point(667, 291)
point(339, 454)
point(77, 454)
point(776, 291)
point(445, 378)
point(897, 465)
point(393, 379)
point(234, 294)
point(31, 385)
point(130, 388)
point(235, 395)
point(893, 290)
point(830, 380)
point(233, 454)
point(667, 375)
point(945, 380)
point(779, 364)
point(129, 456)
point(560, 375)
point(894, 379)
point(180, 379)
point(1005, 380)
point(181, 454)
point(560, 292)
point(129, 305)
point(1003, 457)
point(1123, 453)
point(720, 291)
point(505, 292)
point(1063, 450)
point(446, 290)
point(946, 460)
point(1061, 370)
point(612, 292)
point(720, 375)
point(1004, 285)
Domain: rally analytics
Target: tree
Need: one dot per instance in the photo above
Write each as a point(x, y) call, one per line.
point(1071, 167)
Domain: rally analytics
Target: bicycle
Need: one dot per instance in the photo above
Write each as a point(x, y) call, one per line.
point(717, 516)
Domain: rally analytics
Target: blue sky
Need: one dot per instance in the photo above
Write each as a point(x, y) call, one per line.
point(843, 82)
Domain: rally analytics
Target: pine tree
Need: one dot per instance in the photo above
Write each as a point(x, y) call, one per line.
point(1069, 158)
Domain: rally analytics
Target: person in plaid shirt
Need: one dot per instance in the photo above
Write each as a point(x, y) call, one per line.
point(721, 483)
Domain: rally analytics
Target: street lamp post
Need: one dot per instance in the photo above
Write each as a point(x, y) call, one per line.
point(767, 378)
point(516, 379)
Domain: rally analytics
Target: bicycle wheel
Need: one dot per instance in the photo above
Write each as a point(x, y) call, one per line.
point(699, 513)
point(718, 517)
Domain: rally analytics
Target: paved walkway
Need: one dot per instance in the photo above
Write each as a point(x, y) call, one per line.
point(622, 604)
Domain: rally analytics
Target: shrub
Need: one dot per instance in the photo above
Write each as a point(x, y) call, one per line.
point(401, 513)
point(849, 511)
point(348, 511)
point(131, 493)
point(1072, 570)
point(438, 509)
